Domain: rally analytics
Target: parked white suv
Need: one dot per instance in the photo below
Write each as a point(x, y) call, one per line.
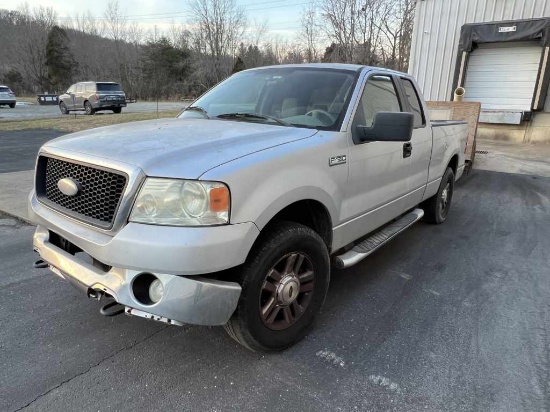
point(7, 97)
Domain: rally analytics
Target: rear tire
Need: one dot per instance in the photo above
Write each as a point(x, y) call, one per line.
point(88, 108)
point(117, 110)
point(12, 105)
point(63, 108)
point(284, 284)
point(436, 209)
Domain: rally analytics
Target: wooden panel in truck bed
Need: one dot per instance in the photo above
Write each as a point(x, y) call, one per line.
point(467, 111)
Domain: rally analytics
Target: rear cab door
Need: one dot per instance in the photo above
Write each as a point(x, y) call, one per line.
point(420, 143)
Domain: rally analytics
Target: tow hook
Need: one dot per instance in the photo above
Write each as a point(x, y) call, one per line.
point(112, 309)
point(40, 264)
point(95, 294)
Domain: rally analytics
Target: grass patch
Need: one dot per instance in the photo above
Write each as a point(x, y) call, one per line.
point(27, 99)
point(82, 122)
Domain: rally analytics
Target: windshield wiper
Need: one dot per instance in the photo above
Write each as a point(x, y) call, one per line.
point(253, 116)
point(197, 109)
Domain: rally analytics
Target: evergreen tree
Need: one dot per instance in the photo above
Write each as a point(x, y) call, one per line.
point(60, 61)
point(238, 66)
point(164, 65)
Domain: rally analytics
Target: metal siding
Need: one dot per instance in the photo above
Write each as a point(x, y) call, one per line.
point(437, 30)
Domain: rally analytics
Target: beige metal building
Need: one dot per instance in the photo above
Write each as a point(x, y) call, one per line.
point(499, 51)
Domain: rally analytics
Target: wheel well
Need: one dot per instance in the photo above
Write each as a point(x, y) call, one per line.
point(453, 164)
point(310, 213)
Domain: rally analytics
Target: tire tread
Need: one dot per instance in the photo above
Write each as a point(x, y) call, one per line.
point(271, 236)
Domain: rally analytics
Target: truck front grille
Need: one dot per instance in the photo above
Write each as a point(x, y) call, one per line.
point(99, 195)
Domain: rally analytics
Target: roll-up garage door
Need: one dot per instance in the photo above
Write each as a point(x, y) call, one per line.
point(502, 76)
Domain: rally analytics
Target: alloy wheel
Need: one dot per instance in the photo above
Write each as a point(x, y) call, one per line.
point(287, 291)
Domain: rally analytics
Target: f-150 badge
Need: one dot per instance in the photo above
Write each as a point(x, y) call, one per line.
point(337, 160)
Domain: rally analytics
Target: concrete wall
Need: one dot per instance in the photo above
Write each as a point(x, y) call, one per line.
point(437, 31)
point(536, 131)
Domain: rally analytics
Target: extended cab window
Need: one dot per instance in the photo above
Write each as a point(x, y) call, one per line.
point(379, 95)
point(414, 102)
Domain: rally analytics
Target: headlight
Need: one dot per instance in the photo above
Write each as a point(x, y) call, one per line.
point(182, 203)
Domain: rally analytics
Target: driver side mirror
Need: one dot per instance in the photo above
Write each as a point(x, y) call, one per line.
point(388, 127)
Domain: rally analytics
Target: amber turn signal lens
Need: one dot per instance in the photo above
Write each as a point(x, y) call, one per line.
point(219, 199)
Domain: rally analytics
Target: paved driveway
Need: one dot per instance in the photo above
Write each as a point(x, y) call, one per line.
point(444, 318)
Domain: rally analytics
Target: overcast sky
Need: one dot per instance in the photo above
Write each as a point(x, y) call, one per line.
point(283, 16)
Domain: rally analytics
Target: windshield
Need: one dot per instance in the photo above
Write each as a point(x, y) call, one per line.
point(5, 90)
point(295, 96)
point(108, 87)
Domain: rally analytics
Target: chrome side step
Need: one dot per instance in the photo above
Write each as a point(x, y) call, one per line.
point(377, 239)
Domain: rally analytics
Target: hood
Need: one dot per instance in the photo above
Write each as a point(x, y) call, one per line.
point(181, 148)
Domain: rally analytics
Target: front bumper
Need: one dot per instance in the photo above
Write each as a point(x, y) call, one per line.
point(150, 248)
point(7, 101)
point(194, 300)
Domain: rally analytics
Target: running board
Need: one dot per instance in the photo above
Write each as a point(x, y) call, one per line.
point(377, 239)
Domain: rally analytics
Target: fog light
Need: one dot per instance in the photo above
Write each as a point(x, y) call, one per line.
point(156, 290)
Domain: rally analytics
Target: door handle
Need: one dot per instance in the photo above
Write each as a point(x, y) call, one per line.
point(407, 149)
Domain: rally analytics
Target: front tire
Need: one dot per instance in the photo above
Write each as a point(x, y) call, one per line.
point(117, 110)
point(88, 108)
point(63, 108)
point(12, 105)
point(436, 208)
point(284, 284)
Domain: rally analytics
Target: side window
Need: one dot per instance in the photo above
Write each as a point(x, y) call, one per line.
point(72, 89)
point(90, 87)
point(414, 102)
point(79, 88)
point(379, 95)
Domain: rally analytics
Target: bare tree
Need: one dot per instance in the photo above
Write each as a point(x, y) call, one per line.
point(180, 36)
point(30, 48)
point(256, 32)
point(115, 21)
point(310, 32)
point(341, 17)
point(397, 28)
point(219, 26)
point(134, 33)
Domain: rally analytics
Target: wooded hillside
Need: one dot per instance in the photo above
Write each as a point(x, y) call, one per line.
point(41, 52)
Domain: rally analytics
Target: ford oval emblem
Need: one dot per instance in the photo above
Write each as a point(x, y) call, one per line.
point(68, 186)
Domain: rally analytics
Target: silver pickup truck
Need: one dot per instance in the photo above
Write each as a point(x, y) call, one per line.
point(233, 213)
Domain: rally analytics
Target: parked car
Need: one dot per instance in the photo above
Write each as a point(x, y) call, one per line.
point(7, 97)
point(233, 213)
point(93, 97)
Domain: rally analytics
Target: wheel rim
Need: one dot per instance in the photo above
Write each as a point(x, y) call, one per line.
point(63, 108)
point(88, 108)
point(287, 291)
point(445, 200)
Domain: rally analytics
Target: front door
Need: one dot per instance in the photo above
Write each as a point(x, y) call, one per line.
point(378, 171)
point(79, 97)
point(70, 101)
